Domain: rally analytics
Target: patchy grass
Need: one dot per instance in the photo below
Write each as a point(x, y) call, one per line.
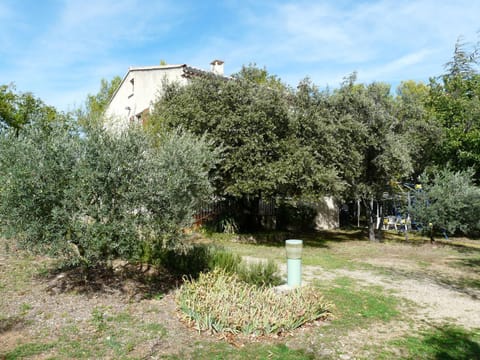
point(220, 351)
point(447, 343)
point(316, 251)
point(359, 306)
point(328, 260)
point(114, 335)
point(27, 350)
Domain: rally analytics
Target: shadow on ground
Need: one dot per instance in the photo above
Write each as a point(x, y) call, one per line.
point(452, 343)
point(464, 285)
point(131, 281)
point(318, 239)
point(471, 264)
point(12, 322)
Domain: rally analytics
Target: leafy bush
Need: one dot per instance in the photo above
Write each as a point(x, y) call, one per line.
point(199, 258)
point(448, 200)
point(191, 262)
point(205, 257)
point(227, 225)
point(222, 259)
point(260, 273)
point(95, 196)
point(220, 302)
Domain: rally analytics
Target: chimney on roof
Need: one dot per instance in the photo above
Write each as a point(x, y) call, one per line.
point(217, 67)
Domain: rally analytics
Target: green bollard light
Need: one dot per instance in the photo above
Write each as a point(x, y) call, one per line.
point(294, 262)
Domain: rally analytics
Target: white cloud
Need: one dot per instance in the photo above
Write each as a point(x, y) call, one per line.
point(393, 68)
point(383, 40)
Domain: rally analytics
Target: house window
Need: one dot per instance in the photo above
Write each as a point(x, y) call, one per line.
point(132, 81)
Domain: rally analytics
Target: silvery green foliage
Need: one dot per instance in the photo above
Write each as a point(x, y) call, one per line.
point(96, 196)
point(448, 200)
point(36, 169)
point(176, 183)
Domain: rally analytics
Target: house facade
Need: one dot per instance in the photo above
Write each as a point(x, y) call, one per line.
point(142, 86)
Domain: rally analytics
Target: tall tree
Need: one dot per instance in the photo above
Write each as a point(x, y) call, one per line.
point(455, 102)
point(385, 155)
point(320, 139)
point(276, 142)
point(416, 121)
point(247, 119)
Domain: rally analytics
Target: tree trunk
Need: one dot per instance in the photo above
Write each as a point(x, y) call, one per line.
point(407, 222)
point(371, 231)
point(252, 219)
point(379, 222)
point(371, 220)
point(358, 213)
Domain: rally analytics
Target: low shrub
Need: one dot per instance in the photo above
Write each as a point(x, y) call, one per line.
point(196, 259)
point(203, 258)
point(263, 273)
point(221, 302)
point(191, 262)
point(223, 259)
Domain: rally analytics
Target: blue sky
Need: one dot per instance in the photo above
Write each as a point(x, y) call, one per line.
point(61, 49)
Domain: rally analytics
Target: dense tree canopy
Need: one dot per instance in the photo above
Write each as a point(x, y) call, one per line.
point(247, 120)
point(455, 102)
point(286, 143)
point(352, 143)
point(19, 109)
point(416, 121)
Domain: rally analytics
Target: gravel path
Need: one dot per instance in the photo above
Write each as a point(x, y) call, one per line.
point(437, 302)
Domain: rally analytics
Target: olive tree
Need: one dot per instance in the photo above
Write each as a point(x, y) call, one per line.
point(448, 200)
point(92, 197)
point(36, 170)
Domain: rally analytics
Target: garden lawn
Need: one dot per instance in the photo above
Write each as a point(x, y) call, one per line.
point(380, 310)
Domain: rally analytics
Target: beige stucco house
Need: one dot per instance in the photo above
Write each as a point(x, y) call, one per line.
point(142, 86)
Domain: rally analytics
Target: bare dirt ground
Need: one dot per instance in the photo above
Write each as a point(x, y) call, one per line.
point(41, 308)
point(45, 308)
